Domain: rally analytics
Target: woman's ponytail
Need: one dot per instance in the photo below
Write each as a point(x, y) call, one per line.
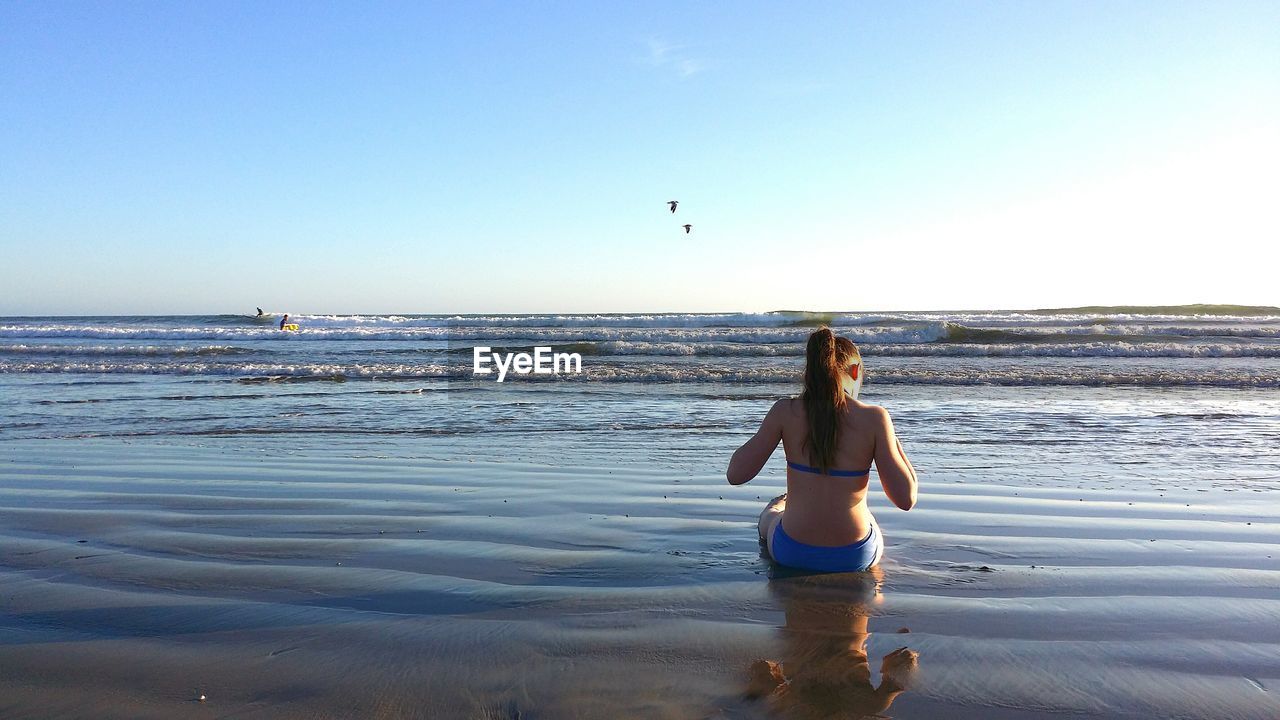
point(823, 396)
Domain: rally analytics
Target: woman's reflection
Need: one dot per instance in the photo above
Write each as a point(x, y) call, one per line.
point(823, 671)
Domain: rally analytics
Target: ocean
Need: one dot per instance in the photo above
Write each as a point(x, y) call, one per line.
point(673, 374)
point(345, 521)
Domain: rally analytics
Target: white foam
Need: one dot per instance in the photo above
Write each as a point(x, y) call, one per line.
point(125, 350)
point(1091, 349)
point(929, 333)
point(1069, 375)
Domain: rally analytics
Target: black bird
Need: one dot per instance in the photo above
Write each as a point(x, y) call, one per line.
point(687, 228)
point(673, 204)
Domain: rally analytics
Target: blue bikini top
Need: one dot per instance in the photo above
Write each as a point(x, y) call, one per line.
point(833, 473)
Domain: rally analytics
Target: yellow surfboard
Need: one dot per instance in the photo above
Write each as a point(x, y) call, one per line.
point(290, 327)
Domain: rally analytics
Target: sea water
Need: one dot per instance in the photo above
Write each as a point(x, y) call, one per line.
point(1185, 392)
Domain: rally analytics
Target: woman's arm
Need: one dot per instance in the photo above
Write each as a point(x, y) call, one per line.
point(754, 453)
point(897, 476)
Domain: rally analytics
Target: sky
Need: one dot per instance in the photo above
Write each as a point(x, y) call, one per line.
point(173, 158)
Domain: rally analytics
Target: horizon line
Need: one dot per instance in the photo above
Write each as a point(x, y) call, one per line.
point(1133, 309)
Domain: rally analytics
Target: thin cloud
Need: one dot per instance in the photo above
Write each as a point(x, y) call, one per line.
point(675, 58)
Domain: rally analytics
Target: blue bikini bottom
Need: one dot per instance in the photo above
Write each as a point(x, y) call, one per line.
point(843, 558)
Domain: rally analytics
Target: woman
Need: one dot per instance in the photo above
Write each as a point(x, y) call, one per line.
point(830, 438)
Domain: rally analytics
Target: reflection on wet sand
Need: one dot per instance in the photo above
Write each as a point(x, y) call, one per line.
point(822, 669)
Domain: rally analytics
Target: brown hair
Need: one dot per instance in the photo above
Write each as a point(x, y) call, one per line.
point(826, 357)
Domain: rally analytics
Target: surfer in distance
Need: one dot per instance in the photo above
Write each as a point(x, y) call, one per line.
point(673, 204)
point(260, 313)
point(687, 228)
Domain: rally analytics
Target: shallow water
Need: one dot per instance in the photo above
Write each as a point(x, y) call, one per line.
point(332, 579)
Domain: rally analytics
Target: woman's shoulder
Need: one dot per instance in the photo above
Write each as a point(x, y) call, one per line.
point(788, 409)
point(854, 407)
point(866, 411)
point(788, 405)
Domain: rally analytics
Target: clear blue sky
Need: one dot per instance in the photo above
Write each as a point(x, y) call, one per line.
point(478, 157)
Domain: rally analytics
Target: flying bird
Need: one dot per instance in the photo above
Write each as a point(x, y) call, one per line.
point(687, 228)
point(673, 204)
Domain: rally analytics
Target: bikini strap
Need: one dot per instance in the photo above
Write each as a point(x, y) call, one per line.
point(833, 473)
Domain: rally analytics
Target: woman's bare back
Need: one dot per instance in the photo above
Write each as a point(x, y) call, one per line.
point(829, 510)
point(855, 442)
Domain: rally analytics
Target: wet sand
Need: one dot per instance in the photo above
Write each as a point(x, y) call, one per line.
point(329, 582)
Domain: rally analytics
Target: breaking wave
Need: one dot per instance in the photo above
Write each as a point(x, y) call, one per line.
point(659, 373)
